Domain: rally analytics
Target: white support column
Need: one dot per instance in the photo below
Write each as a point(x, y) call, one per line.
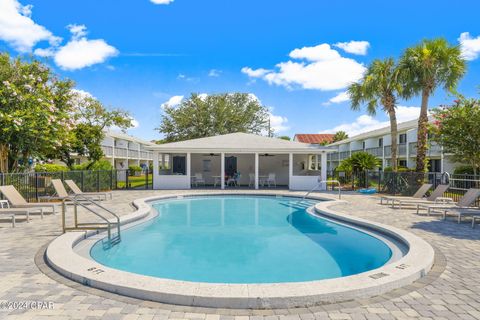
point(256, 170)
point(290, 169)
point(155, 168)
point(323, 171)
point(189, 163)
point(222, 170)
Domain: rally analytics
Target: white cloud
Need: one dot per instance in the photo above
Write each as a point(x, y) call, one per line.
point(470, 46)
point(81, 52)
point(19, 30)
point(172, 102)
point(320, 52)
point(214, 73)
point(278, 123)
point(365, 123)
point(255, 73)
point(161, 1)
point(339, 98)
point(354, 47)
point(135, 123)
point(324, 69)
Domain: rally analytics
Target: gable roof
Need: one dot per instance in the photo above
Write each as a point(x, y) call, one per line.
point(239, 142)
point(317, 138)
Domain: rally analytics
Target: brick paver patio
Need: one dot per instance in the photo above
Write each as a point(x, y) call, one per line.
point(450, 291)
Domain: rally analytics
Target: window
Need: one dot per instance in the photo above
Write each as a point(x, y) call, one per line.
point(402, 163)
point(363, 145)
point(380, 142)
point(402, 138)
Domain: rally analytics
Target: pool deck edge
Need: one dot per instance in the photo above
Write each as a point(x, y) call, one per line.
point(61, 256)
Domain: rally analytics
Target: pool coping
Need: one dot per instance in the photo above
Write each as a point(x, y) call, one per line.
point(413, 266)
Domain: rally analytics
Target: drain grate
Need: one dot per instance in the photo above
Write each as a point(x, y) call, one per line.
point(379, 275)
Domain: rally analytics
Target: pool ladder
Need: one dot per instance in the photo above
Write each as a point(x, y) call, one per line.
point(102, 212)
point(322, 182)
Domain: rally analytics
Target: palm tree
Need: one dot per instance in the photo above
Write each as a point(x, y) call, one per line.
point(379, 86)
point(423, 68)
point(339, 136)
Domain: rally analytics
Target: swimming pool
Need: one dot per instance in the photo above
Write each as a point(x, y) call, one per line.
point(242, 239)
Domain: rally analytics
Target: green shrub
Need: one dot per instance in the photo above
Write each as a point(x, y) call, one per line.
point(465, 169)
point(399, 169)
point(132, 169)
point(48, 167)
point(99, 165)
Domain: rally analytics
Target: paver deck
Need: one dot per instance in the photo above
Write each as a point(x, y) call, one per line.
point(450, 291)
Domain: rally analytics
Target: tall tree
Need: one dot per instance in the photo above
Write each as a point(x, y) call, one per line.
point(91, 118)
point(34, 111)
point(456, 129)
point(379, 86)
point(339, 136)
point(200, 116)
point(424, 68)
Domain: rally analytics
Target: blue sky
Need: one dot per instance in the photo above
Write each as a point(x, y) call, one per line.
point(295, 56)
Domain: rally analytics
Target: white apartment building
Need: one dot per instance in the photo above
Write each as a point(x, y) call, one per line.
point(123, 150)
point(378, 142)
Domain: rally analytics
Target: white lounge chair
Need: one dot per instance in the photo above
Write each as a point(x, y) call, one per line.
point(418, 195)
point(60, 190)
point(465, 202)
point(463, 212)
point(13, 212)
point(198, 179)
point(77, 191)
point(18, 201)
point(435, 197)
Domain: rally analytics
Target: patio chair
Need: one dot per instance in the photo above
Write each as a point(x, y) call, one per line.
point(435, 197)
point(251, 179)
point(271, 180)
point(234, 180)
point(77, 191)
point(420, 193)
point(473, 212)
point(465, 202)
point(18, 201)
point(13, 212)
point(60, 191)
point(198, 178)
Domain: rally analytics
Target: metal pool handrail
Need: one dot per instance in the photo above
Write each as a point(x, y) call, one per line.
point(320, 183)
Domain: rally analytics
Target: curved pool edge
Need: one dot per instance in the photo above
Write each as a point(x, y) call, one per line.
point(61, 256)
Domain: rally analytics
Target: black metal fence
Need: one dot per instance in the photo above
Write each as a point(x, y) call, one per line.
point(35, 185)
point(406, 183)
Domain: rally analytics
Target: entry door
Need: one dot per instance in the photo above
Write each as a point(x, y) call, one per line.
point(178, 166)
point(230, 165)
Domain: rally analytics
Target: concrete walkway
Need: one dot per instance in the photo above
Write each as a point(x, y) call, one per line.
point(450, 291)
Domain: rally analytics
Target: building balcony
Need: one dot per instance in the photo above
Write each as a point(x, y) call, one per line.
point(401, 150)
point(434, 149)
point(378, 151)
point(121, 152)
point(343, 155)
point(132, 153)
point(107, 151)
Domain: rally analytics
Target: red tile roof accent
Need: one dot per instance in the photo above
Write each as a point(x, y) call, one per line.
point(314, 138)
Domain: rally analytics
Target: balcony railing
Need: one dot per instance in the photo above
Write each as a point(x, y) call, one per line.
point(434, 149)
point(401, 150)
point(132, 153)
point(107, 151)
point(378, 152)
point(332, 156)
point(120, 152)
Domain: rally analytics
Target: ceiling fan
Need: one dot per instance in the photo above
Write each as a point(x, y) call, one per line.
point(267, 155)
point(211, 155)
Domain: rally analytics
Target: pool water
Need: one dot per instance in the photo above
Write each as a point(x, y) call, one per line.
point(242, 239)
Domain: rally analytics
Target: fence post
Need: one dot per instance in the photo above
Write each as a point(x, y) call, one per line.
point(36, 186)
point(83, 181)
point(127, 186)
point(394, 182)
point(62, 174)
point(98, 180)
point(111, 179)
point(146, 179)
point(379, 180)
point(366, 178)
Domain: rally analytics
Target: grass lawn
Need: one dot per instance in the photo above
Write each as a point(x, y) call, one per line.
point(136, 181)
